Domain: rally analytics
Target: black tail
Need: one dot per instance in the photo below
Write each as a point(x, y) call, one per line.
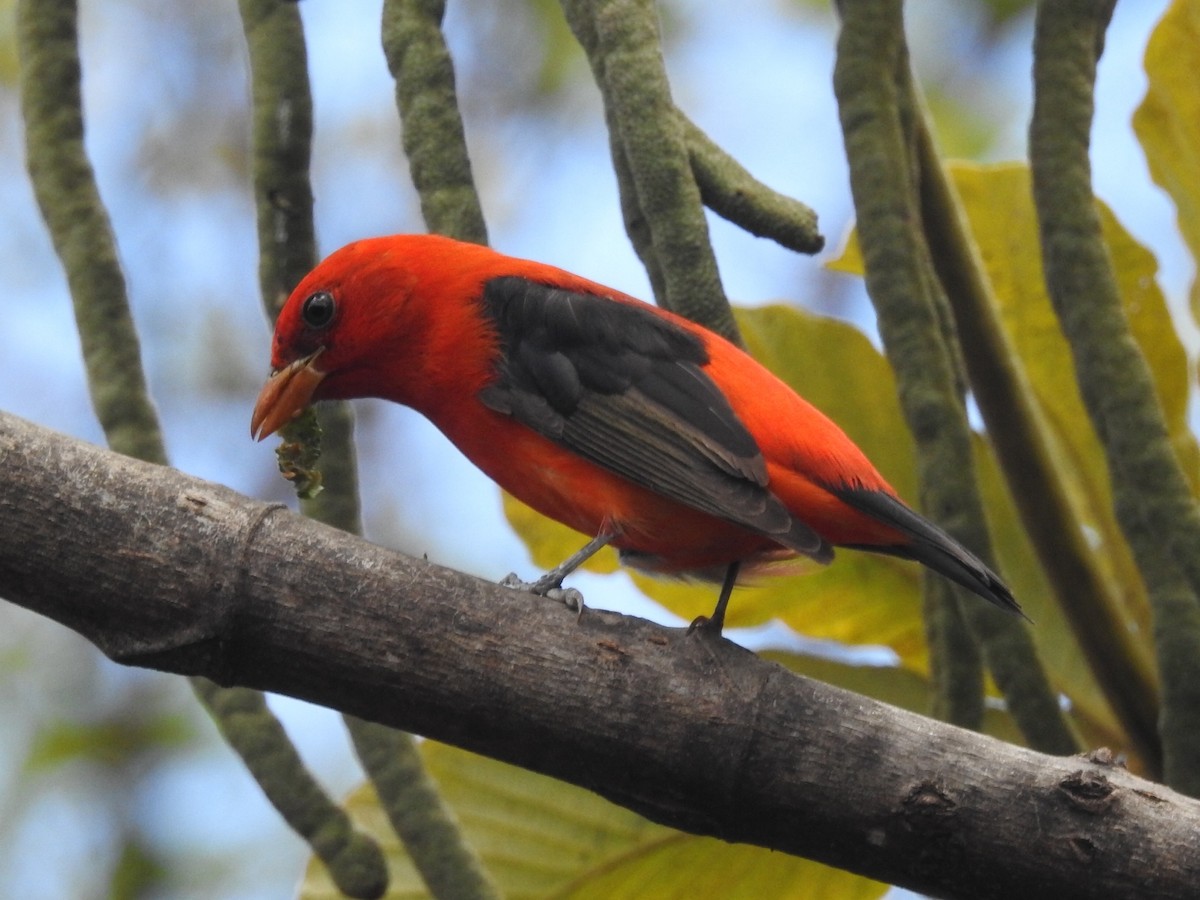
point(930, 546)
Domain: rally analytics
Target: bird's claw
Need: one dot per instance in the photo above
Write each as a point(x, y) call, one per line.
point(706, 627)
point(548, 588)
point(568, 597)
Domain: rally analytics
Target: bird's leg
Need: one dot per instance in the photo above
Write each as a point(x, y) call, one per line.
point(550, 584)
point(716, 622)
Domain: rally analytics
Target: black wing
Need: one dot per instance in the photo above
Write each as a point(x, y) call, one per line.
point(626, 389)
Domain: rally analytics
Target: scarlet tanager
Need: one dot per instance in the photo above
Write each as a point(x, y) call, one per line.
point(627, 423)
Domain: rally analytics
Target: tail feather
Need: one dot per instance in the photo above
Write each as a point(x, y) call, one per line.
point(931, 546)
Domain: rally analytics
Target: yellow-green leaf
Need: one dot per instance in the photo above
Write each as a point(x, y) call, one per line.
point(1168, 121)
point(998, 203)
point(541, 838)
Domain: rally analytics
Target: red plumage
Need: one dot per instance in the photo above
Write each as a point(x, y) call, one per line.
point(602, 412)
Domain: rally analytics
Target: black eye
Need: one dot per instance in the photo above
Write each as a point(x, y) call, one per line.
point(318, 309)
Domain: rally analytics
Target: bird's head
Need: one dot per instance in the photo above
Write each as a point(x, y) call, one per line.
point(367, 322)
point(331, 333)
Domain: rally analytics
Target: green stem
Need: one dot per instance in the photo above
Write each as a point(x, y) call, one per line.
point(650, 153)
point(871, 60)
point(282, 105)
point(70, 203)
point(435, 144)
point(879, 118)
point(1153, 500)
point(66, 192)
point(1091, 603)
point(434, 138)
point(283, 196)
point(283, 123)
point(637, 226)
point(416, 812)
point(734, 194)
point(955, 666)
point(353, 859)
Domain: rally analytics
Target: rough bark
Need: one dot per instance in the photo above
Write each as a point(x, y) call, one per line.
point(166, 571)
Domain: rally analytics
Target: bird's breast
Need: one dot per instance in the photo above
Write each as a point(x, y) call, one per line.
point(661, 534)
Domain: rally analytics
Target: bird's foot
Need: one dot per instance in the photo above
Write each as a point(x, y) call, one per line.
point(549, 587)
point(712, 626)
point(707, 627)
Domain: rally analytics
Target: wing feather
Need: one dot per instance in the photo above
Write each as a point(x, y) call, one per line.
point(626, 389)
point(930, 545)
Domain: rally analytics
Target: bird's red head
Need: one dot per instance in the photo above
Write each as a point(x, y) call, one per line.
point(368, 321)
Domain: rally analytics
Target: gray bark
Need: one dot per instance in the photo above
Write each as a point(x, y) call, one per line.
point(162, 570)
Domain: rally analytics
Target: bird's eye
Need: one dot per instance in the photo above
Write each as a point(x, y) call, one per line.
point(318, 309)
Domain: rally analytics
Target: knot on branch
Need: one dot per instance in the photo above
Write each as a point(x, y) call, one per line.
point(1085, 849)
point(928, 818)
point(1102, 756)
point(927, 799)
point(191, 541)
point(1088, 792)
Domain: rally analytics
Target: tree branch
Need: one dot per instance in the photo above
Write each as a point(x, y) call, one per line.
point(169, 572)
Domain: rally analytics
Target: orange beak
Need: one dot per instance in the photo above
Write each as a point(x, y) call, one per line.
point(285, 395)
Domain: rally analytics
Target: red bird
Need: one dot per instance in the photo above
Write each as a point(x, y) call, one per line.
point(617, 418)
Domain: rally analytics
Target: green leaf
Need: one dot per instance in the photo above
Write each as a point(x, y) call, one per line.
point(1168, 121)
point(998, 203)
point(540, 837)
point(110, 742)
